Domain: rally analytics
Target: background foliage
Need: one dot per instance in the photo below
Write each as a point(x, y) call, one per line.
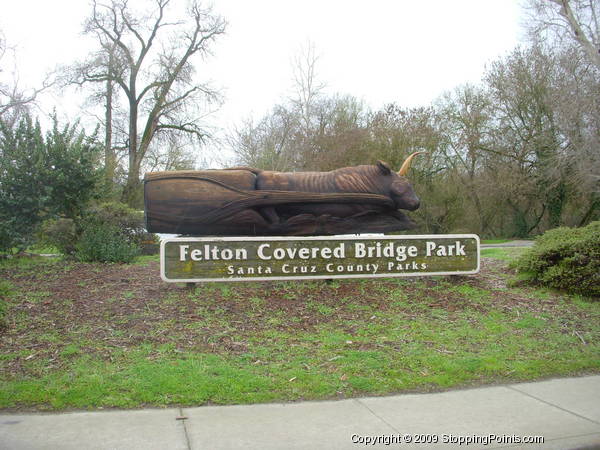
point(513, 156)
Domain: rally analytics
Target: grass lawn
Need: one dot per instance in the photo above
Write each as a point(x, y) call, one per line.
point(496, 241)
point(91, 335)
point(505, 254)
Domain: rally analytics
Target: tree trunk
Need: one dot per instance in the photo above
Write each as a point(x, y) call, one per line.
point(130, 193)
point(109, 155)
point(590, 213)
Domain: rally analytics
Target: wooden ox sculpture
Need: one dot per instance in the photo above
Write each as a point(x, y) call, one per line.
point(247, 202)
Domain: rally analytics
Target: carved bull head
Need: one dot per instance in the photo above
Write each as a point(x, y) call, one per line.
point(401, 190)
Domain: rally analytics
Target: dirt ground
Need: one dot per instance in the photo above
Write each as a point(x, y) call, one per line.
point(102, 307)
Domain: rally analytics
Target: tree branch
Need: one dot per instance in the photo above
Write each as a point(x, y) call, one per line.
point(588, 47)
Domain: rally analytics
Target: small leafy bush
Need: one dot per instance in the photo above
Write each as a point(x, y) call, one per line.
point(121, 216)
point(104, 242)
point(109, 232)
point(60, 233)
point(565, 258)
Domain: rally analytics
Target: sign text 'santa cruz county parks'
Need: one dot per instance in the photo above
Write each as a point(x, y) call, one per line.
point(276, 258)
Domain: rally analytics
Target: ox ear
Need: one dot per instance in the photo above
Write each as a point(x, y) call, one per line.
point(384, 168)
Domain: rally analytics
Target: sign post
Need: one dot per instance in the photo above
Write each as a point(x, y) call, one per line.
point(194, 259)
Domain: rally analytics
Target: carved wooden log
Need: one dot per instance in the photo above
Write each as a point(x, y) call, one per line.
point(225, 202)
point(176, 201)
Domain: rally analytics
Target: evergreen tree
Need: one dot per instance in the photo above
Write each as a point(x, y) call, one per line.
point(42, 177)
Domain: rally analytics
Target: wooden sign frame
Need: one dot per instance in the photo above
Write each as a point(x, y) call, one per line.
point(422, 247)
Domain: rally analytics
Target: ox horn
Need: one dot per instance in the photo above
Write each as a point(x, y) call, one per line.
point(407, 162)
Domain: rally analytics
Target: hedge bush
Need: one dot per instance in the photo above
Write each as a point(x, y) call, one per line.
point(128, 220)
point(104, 242)
point(60, 233)
point(113, 221)
point(565, 258)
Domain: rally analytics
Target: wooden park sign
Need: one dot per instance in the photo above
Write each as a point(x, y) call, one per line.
point(193, 259)
point(301, 208)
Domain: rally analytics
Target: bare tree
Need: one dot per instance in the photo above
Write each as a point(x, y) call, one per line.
point(268, 143)
point(576, 20)
point(103, 94)
point(465, 121)
point(306, 84)
point(15, 100)
point(523, 90)
point(168, 153)
point(572, 30)
point(149, 59)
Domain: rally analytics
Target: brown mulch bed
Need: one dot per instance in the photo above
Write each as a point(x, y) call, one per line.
point(100, 308)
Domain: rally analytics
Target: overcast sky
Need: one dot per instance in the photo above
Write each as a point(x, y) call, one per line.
point(380, 51)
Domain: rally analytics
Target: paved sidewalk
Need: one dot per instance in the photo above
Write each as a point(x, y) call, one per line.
point(566, 412)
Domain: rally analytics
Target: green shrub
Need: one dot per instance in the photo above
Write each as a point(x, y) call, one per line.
point(60, 233)
point(565, 258)
point(110, 218)
point(129, 221)
point(103, 242)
